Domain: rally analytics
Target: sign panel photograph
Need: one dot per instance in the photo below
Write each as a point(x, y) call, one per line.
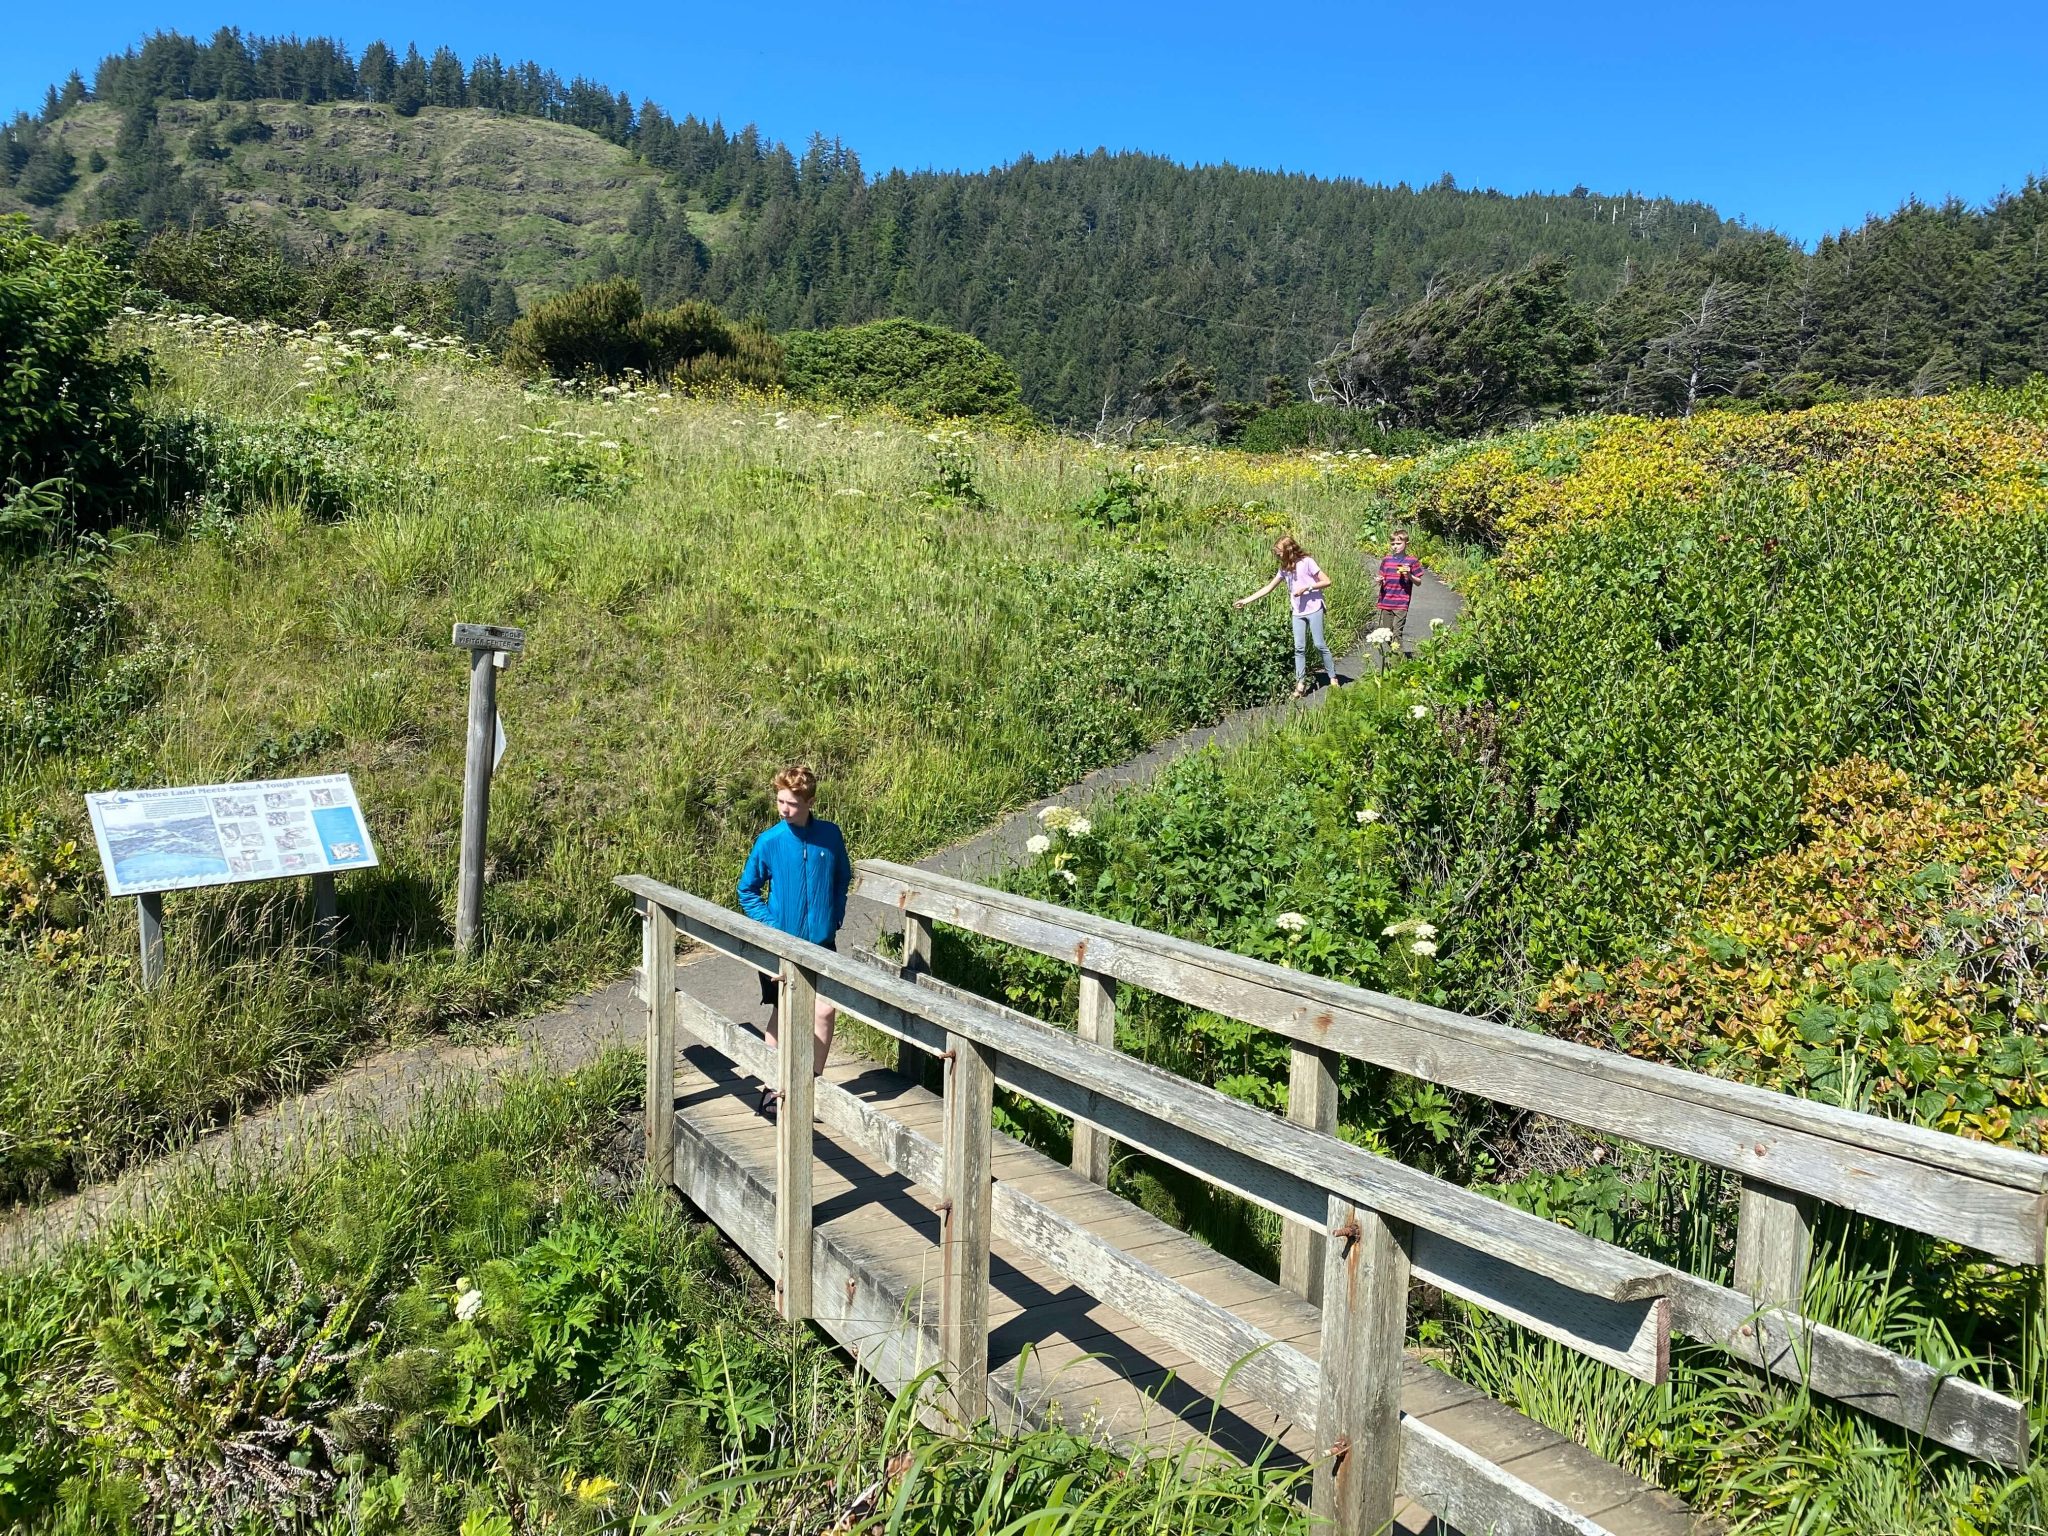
point(223, 834)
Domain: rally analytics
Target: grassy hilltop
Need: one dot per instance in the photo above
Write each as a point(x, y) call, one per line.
point(446, 191)
point(945, 623)
point(1733, 762)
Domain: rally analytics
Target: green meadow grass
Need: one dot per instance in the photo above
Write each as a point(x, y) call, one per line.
point(709, 589)
point(289, 1347)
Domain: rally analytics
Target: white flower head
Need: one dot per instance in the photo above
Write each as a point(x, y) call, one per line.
point(1290, 922)
point(1418, 711)
point(1436, 623)
point(1393, 929)
point(1367, 816)
point(1380, 636)
point(1425, 930)
point(1067, 875)
point(1080, 826)
point(1038, 843)
point(1422, 947)
point(468, 1304)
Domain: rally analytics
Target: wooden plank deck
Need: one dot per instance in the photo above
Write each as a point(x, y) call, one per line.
point(1055, 1353)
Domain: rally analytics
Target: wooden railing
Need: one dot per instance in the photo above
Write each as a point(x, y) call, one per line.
point(1390, 1221)
point(1792, 1154)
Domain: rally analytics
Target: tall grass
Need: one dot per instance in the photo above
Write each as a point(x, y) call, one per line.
point(292, 1350)
point(709, 590)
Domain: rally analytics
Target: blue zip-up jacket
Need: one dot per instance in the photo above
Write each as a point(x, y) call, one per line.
point(805, 872)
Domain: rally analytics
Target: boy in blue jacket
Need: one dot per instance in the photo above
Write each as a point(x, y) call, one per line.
point(796, 879)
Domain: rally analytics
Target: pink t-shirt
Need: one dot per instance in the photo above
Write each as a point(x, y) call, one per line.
point(1301, 585)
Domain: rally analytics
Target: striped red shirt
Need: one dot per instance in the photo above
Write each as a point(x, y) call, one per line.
point(1397, 580)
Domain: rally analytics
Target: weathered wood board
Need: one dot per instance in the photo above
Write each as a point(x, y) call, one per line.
point(1058, 1354)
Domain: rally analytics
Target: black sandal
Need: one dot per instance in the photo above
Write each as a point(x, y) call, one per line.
point(769, 1101)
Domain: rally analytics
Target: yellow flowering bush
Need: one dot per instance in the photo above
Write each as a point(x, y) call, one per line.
point(1897, 956)
point(1514, 493)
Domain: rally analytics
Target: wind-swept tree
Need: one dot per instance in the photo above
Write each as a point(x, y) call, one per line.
point(1489, 355)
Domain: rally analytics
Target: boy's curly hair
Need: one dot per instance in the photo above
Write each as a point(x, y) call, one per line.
point(799, 779)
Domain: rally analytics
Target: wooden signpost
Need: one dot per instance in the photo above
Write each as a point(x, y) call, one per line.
point(491, 648)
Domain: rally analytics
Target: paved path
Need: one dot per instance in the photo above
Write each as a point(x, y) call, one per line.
point(386, 1088)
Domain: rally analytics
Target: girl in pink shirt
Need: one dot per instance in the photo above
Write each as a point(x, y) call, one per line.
point(1305, 583)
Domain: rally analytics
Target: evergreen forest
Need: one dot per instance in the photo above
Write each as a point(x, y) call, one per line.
point(1094, 273)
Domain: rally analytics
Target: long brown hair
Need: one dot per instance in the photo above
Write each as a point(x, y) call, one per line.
point(1291, 554)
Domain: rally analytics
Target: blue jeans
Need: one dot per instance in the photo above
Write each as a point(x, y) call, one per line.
point(1305, 625)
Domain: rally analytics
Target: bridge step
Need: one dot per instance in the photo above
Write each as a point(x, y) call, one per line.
point(1055, 1353)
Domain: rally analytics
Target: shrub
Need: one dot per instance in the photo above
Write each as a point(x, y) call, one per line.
point(68, 420)
point(211, 467)
point(1310, 424)
point(1689, 625)
point(1505, 351)
point(924, 371)
point(1899, 954)
point(233, 270)
point(602, 329)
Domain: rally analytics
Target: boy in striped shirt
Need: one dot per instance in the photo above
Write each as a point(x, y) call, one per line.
point(1398, 571)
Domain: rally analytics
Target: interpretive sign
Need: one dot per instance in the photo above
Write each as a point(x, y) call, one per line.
point(222, 834)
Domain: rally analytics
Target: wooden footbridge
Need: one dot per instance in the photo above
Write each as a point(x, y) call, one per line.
point(916, 1237)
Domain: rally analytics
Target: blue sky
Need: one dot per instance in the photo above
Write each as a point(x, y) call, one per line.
point(1800, 117)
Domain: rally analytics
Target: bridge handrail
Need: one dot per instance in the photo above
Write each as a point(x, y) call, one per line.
point(1988, 1198)
point(1599, 1299)
point(1287, 1168)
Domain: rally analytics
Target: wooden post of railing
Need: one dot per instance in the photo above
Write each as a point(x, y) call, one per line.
point(917, 961)
point(658, 987)
point(1311, 1101)
point(1096, 1022)
point(1365, 1332)
point(1773, 1243)
point(964, 1215)
point(795, 1052)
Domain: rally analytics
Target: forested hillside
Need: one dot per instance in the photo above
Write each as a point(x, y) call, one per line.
point(1090, 272)
point(1093, 273)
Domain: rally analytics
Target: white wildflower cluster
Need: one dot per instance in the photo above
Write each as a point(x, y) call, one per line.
point(1421, 935)
point(317, 341)
point(631, 389)
point(468, 1300)
point(554, 433)
point(1059, 820)
point(1436, 624)
point(1064, 818)
point(1367, 816)
point(1290, 922)
point(1418, 711)
point(1380, 636)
